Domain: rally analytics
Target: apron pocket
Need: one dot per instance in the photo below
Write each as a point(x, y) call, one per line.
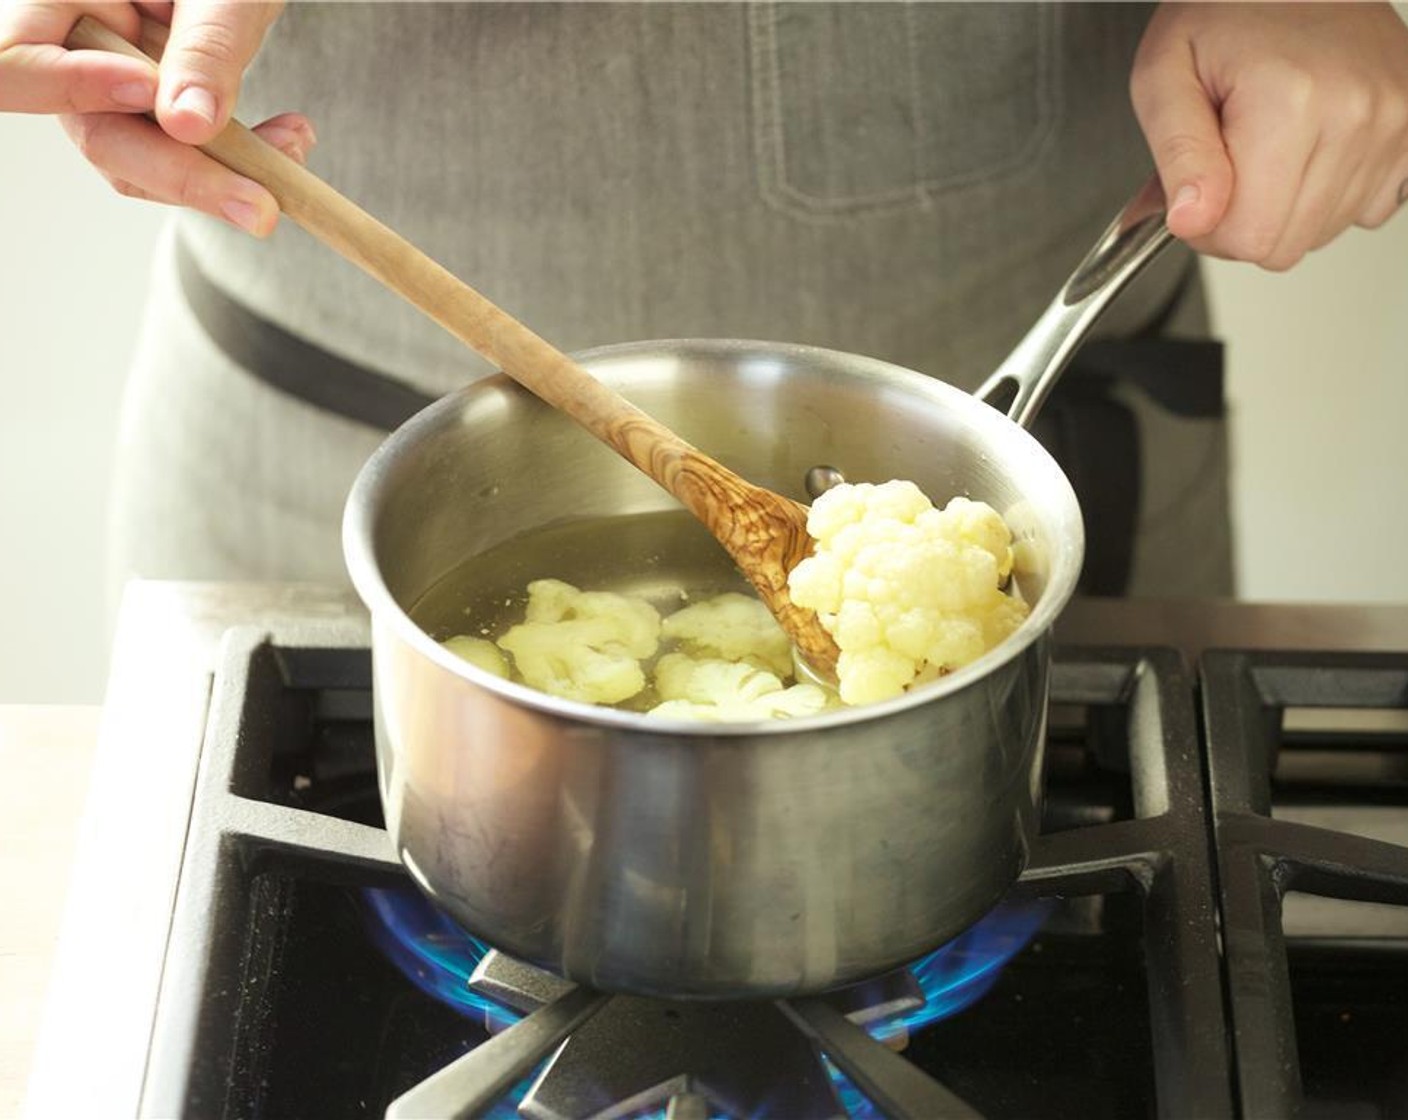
point(862, 108)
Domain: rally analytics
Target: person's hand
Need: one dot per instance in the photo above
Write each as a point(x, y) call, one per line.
point(1274, 127)
point(102, 99)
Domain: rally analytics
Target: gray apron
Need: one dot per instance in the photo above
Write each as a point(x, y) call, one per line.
point(909, 181)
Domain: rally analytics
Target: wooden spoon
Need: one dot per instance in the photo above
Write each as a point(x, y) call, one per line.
point(764, 533)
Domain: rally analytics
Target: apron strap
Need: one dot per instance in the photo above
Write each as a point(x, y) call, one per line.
point(289, 364)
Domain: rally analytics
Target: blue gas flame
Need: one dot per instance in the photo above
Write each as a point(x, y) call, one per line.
point(439, 957)
point(434, 953)
point(961, 972)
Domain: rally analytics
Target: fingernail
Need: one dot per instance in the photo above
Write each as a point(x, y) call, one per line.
point(243, 214)
point(194, 99)
point(287, 140)
point(1187, 195)
point(307, 137)
point(134, 95)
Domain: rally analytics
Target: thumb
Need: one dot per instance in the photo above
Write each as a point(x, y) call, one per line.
point(211, 43)
point(1184, 133)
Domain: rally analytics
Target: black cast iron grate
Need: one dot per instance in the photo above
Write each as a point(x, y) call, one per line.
point(1262, 859)
point(267, 983)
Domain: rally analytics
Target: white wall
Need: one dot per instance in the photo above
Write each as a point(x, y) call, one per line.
point(74, 257)
point(1318, 363)
point(1318, 382)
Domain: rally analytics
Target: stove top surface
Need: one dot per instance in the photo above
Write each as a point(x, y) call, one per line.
point(1204, 826)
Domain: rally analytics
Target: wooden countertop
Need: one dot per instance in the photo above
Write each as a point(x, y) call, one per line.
point(46, 755)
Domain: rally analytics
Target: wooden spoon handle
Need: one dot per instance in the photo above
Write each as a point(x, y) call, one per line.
point(702, 484)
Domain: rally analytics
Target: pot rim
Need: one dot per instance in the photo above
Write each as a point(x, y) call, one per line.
point(359, 553)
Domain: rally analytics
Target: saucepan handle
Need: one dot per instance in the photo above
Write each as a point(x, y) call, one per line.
point(1132, 240)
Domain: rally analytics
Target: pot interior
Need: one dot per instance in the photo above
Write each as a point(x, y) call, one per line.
point(489, 487)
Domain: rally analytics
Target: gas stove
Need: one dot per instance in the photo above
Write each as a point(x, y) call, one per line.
point(1214, 923)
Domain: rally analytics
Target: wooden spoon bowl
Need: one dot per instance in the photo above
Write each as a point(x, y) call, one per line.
point(765, 533)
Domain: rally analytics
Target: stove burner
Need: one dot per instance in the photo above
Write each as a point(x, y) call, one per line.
point(744, 1035)
point(630, 1044)
point(743, 1059)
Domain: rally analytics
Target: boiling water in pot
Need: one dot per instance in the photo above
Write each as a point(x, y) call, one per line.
point(667, 558)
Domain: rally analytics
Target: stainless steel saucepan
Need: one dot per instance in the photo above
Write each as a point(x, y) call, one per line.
point(701, 860)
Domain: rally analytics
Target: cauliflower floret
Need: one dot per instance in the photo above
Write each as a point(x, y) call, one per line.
point(718, 691)
point(678, 676)
point(873, 674)
point(478, 651)
point(978, 524)
point(732, 627)
point(583, 645)
point(908, 591)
